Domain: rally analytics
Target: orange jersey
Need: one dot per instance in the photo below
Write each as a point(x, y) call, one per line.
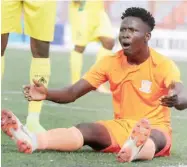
point(136, 89)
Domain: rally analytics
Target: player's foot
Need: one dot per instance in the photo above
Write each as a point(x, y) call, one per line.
point(137, 139)
point(103, 89)
point(13, 128)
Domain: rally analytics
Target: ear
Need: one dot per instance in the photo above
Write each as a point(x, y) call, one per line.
point(147, 36)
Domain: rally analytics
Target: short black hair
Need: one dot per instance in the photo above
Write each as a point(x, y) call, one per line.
point(141, 13)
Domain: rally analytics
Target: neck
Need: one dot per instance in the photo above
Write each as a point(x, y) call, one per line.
point(139, 57)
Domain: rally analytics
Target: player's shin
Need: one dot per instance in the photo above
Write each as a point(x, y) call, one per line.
point(76, 62)
point(2, 65)
point(61, 139)
point(40, 70)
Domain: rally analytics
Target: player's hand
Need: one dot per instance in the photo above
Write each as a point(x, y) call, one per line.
point(35, 92)
point(172, 99)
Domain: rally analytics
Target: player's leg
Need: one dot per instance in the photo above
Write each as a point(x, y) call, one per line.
point(72, 139)
point(76, 63)
point(104, 33)
point(35, 18)
point(95, 135)
point(105, 50)
point(79, 30)
point(40, 70)
point(4, 41)
point(10, 22)
point(143, 144)
point(62, 139)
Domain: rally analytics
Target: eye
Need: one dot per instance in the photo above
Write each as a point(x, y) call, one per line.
point(132, 29)
point(122, 29)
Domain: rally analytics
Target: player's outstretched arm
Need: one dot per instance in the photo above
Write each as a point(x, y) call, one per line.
point(38, 92)
point(177, 96)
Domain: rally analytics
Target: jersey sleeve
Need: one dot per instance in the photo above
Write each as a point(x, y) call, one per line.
point(170, 72)
point(98, 73)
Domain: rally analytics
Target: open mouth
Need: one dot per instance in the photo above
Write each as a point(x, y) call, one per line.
point(126, 45)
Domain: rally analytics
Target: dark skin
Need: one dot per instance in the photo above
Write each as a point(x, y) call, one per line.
point(177, 97)
point(136, 34)
point(39, 49)
point(4, 42)
point(107, 43)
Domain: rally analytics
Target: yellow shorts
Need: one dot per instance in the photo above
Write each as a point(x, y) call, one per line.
point(87, 26)
point(39, 18)
point(120, 130)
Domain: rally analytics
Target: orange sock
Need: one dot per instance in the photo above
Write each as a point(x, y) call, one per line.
point(62, 139)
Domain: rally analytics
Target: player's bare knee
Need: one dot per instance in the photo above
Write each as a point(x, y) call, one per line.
point(39, 49)
point(2, 51)
point(107, 43)
point(95, 135)
point(78, 138)
point(85, 132)
point(159, 140)
point(79, 49)
point(4, 41)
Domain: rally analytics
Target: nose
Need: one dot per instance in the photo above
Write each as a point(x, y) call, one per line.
point(127, 34)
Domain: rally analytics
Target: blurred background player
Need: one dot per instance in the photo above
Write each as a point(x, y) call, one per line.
point(35, 18)
point(89, 22)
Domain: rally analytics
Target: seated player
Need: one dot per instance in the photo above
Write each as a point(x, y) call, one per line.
point(89, 22)
point(35, 18)
point(144, 84)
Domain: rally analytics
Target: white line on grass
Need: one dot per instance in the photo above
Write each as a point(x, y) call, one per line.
point(70, 107)
point(11, 92)
point(53, 104)
point(180, 165)
point(66, 48)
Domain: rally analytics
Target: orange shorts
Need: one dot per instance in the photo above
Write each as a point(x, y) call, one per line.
point(115, 146)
